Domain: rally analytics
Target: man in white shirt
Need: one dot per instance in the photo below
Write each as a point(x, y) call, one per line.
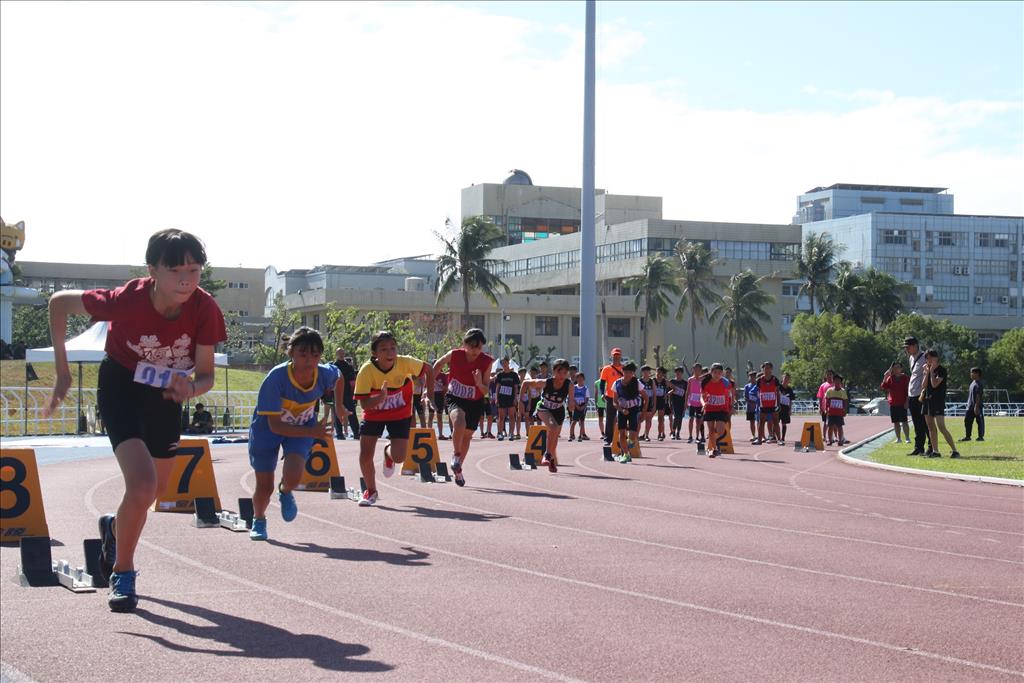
point(917, 371)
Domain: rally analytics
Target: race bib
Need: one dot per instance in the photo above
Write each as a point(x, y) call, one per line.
point(784, 400)
point(716, 400)
point(551, 405)
point(836, 403)
point(768, 397)
point(660, 391)
point(695, 399)
point(505, 390)
point(460, 390)
point(158, 376)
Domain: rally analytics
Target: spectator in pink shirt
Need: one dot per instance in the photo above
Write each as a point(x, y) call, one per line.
point(825, 386)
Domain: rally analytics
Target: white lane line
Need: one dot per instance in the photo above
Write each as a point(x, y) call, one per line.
point(384, 626)
point(8, 674)
point(801, 532)
point(645, 596)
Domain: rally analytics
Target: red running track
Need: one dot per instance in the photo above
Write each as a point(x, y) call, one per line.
point(764, 565)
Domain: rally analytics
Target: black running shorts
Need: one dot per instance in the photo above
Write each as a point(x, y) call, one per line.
point(135, 411)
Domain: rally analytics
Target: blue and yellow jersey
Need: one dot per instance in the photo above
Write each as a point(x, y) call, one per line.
point(398, 404)
point(280, 394)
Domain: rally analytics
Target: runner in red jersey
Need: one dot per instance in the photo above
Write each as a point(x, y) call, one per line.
point(716, 400)
point(469, 372)
point(768, 396)
point(163, 329)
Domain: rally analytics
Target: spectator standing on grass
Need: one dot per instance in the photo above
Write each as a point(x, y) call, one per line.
point(934, 403)
point(896, 386)
point(975, 406)
point(917, 371)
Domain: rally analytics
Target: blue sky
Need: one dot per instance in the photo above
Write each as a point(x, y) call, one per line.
point(296, 134)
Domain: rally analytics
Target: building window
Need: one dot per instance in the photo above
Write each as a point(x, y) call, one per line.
point(872, 200)
point(784, 251)
point(618, 327)
point(987, 339)
point(789, 289)
point(316, 321)
point(1001, 240)
point(787, 321)
point(474, 321)
point(575, 326)
point(946, 239)
point(894, 237)
point(546, 326)
point(985, 239)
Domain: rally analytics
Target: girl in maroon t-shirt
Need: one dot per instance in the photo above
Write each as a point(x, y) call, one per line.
point(468, 378)
point(160, 341)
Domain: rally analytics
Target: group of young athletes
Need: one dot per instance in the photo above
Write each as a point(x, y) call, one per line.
point(159, 354)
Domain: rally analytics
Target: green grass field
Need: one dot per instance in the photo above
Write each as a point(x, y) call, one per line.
point(12, 374)
point(1001, 454)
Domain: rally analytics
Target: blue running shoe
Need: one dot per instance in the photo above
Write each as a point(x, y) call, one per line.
point(108, 547)
point(258, 532)
point(122, 596)
point(289, 508)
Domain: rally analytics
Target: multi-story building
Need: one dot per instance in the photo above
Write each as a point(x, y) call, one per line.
point(965, 268)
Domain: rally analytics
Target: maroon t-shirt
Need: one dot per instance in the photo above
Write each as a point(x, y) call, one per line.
point(897, 388)
point(138, 333)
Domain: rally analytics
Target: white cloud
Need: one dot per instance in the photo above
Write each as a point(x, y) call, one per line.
point(296, 135)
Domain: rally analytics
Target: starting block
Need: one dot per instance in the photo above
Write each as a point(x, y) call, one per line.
point(442, 476)
point(634, 452)
point(37, 568)
point(513, 462)
point(608, 457)
point(701, 448)
point(529, 462)
point(810, 436)
point(240, 521)
point(725, 442)
point(809, 448)
point(206, 515)
point(425, 474)
point(338, 490)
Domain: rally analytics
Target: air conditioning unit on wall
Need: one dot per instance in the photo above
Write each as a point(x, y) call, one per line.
point(979, 299)
point(1004, 299)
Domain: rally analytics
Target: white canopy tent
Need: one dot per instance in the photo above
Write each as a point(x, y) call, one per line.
point(88, 348)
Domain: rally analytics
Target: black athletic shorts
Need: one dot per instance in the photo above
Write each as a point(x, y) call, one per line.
point(784, 413)
point(836, 421)
point(558, 414)
point(417, 403)
point(659, 403)
point(717, 416)
point(397, 429)
point(696, 411)
point(767, 412)
point(474, 409)
point(579, 415)
point(135, 411)
point(505, 401)
point(751, 415)
point(898, 414)
point(439, 401)
point(600, 413)
point(933, 408)
point(629, 419)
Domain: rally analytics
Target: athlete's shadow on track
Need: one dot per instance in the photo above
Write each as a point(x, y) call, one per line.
point(434, 513)
point(255, 639)
point(676, 467)
point(770, 462)
point(525, 494)
point(414, 558)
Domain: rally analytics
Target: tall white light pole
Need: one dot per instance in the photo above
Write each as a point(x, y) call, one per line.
point(588, 248)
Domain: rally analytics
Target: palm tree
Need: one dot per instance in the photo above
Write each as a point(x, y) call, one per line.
point(464, 262)
point(697, 285)
point(653, 287)
point(883, 297)
point(814, 265)
point(847, 295)
point(741, 311)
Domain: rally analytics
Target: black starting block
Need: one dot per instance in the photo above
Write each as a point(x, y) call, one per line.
point(205, 516)
point(608, 454)
point(513, 461)
point(529, 462)
point(442, 475)
point(425, 474)
point(93, 548)
point(338, 490)
point(701, 448)
point(38, 568)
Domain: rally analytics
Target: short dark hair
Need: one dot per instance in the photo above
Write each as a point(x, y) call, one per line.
point(573, 367)
point(646, 367)
point(718, 366)
point(306, 338)
point(199, 406)
point(543, 363)
point(168, 248)
point(474, 336)
point(662, 369)
point(932, 352)
point(383, 335)
point(977, 370)
point(837, 377)
point(580, 375)
point(679, 369)
point(631, 366)
point(560, 363)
